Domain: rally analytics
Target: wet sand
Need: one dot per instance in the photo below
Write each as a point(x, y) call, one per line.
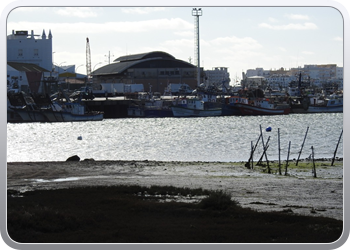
point(299, 192)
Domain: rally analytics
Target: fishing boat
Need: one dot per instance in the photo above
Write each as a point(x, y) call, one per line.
point(200, 106)
point(263, 106)
point(71, 112)
point(231, 107)
point(331, 104)
point(150, 106)
point(25, 107)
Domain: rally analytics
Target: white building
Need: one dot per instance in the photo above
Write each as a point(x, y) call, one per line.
point(218, 75)
point(25, 48)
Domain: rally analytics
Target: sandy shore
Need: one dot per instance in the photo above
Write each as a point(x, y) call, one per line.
point(299, 192)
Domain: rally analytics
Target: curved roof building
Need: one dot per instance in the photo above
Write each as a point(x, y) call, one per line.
point(153, 69)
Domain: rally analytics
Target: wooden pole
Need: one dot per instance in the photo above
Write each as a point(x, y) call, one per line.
point(313, 161)
point(336, 148)
point(251, 144)
point(287, 159)
point(264, 152)
point(302, 146)
point(262, 140)
point(279, 153)
point(256, 144)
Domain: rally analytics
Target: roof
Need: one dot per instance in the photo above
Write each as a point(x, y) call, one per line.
point(123, 63)
point(147, 55)
point(26, 67)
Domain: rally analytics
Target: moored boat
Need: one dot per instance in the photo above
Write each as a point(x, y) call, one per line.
point(331, 104)
point(263, 106)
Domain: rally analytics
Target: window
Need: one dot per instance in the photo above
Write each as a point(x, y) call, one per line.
point(36, 52)
point(20, 52)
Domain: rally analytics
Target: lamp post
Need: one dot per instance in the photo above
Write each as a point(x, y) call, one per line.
point(78, 67)
point(96, 65)
point(197, 13)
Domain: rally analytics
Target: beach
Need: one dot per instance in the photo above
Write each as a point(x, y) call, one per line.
point(298, 192)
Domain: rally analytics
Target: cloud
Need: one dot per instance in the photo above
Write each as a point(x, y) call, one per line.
point(307, 53)
point(82, 12)
point(142, 10)
point(273, 20)
point(282, 49)
point(176, 24)
point(338, 38)
point(291, 26)
point(297, 17)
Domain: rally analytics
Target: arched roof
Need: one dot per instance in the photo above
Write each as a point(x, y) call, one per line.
point(123, 63)
point(154, 54)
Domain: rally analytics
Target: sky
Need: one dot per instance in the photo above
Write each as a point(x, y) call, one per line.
point(239, 38)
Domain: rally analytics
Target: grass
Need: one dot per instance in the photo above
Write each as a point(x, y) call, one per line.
point(132, 214)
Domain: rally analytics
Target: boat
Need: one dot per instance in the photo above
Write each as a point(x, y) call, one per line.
point(263, 106)
point(231, 107)
point(25, 107)
point(199, 106)
point(150, 105)
point(330, 104)
point(71, 112)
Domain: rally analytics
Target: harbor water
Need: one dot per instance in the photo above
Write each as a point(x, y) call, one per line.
point(225, 139)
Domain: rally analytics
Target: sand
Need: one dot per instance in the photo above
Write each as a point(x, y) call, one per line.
point(299, 192)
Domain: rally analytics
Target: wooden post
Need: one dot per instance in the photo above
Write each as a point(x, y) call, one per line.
point(251, 144)
point(264, 152)
point(256, 144)
point(302, 146)
point(279, 153)
point(287, 159)
point(262, 140)
point(336, 148)
point(313, 161)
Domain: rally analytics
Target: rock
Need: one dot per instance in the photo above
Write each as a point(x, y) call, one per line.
point(73, 158)
point(89, 159)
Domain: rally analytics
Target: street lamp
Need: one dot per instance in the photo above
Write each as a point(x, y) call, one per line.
point(197, 13)
point(78, 67)
point(96, 65)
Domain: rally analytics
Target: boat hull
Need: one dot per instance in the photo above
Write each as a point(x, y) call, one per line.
point(58, 116)
point(31, 115)
point(252, 110)
point(187, 112)
point(327, 109)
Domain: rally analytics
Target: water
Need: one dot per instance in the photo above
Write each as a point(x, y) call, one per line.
point(226, 139)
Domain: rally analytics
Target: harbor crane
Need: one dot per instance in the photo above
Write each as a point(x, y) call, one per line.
point(88, 59)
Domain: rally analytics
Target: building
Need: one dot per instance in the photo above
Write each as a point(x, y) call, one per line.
point(218, 75)
point(25, 48)
point(155, 70)
point(27, 77)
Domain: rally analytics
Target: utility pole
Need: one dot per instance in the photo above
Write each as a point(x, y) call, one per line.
point(197, 13)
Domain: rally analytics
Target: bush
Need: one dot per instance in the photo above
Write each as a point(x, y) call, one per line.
point(217, 200)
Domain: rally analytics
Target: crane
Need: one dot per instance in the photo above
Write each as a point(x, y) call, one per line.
point(88, 59)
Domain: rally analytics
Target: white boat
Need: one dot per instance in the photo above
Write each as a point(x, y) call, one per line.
point(331, 104)
point(196, 107)
point(70, 112)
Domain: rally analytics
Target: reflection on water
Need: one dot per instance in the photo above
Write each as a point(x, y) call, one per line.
point(175, 139)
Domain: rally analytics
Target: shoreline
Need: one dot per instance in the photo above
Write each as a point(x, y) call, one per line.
point(299, 191)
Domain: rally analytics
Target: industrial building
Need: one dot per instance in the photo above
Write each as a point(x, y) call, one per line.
point(155, 70)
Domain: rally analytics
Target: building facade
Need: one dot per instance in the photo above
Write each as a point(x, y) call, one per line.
point(23, 47)
point(155, 70)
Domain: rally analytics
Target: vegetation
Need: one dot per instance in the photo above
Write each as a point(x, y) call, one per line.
point(132, 214)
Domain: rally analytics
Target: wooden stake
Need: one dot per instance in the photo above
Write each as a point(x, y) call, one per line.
point(335, 152)
point(313, 161)
point(279, 153)
point(287, 159)
point(302, 146)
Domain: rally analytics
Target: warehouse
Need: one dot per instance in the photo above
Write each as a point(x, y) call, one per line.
point(155, 70)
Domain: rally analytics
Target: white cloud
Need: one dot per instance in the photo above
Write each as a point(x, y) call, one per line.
point(176, 24)
point(297, 17)
point(82, 12)
point(291, 26)
point(307, 53)
point(338, 38)
point(142, 10)
point(282, 49)
point(273, 20)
